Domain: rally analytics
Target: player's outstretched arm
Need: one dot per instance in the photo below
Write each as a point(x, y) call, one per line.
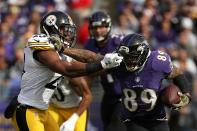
point(82, 55)
point(80, 85)
point(73, 69)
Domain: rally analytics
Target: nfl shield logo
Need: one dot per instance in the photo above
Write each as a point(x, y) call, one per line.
point(137, 79)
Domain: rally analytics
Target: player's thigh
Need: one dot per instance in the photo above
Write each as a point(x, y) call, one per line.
point(29, 119)
point(82, 122)
point(163, 126)
point(106, 112)
point(132, 126)
point(51, 124)
point(56, 115)
point(116, 123)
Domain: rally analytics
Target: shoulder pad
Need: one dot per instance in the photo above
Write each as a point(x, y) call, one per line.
point(40, 42)
point(117, 38)
point(161, 61)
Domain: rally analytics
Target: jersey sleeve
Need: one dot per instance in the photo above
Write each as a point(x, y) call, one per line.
point(162, 62)
point(40, 42)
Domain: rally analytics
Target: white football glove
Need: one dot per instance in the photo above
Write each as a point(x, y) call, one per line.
point(58, 45)
point(111, 60)
point(184, 101)
point(69, 125)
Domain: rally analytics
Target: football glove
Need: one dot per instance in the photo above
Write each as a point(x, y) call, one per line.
point(184, 101)
point(58, 45)
point(111, 60)
point(69, 125)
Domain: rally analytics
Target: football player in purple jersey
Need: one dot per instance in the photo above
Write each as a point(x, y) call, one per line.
point(102, 42)
point(140, 76)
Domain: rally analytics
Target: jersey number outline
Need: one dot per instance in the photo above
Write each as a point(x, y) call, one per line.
point(54, 85)
point(161, 56)
point(58, 95)
point(147, 96)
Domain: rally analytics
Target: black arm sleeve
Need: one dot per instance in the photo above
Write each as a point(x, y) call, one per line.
point(93, 67)
point(182, 83)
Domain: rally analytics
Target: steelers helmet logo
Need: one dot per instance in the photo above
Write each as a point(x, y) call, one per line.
point(51, 20)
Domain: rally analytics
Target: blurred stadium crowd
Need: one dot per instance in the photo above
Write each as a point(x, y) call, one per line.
point(169, 25)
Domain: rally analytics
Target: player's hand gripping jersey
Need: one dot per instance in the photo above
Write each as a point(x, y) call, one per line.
point(32, 90)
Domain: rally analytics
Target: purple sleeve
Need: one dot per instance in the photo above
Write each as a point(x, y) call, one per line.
point(161, 62)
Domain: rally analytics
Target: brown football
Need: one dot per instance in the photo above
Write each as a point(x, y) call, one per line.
point(170, 95)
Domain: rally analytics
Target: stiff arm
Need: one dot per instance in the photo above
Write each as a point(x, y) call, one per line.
point(83, 55)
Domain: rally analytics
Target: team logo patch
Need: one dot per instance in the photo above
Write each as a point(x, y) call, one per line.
point(137, 79)
point(51, 20)
point(123, 49)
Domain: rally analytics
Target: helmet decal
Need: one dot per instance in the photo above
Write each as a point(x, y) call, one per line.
point(124, 49)
point(51, 20)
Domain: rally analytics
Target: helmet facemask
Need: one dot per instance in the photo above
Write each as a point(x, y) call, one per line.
point(99, 37)
point(67, 34)
point(134, 56)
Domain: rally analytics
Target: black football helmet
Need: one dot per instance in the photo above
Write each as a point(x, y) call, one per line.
point(99, 19)
point(61, 25)
point(135, 50)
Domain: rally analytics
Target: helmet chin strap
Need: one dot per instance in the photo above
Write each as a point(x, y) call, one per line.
point(67, 44)
point(100, 38)
point(47, 33)
point(132, 69)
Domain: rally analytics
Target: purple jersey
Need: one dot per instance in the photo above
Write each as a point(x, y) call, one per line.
point(141, 90)
point(110, 84)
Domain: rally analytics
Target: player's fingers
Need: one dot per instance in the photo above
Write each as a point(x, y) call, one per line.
point(119, 61)
point(180, 94)
point(119, 57)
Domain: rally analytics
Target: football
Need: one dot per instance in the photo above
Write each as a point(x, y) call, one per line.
point(170, 96)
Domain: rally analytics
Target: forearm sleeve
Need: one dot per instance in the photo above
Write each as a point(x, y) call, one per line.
point(182, 83)
point(93, 67)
